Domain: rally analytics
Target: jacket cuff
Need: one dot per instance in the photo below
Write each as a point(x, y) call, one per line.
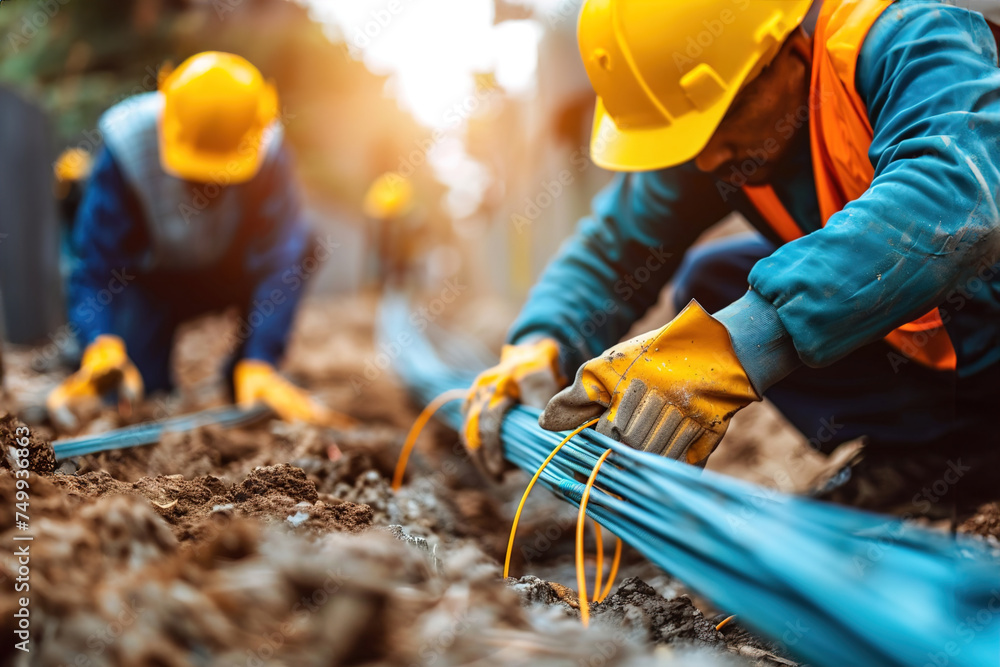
point(760, 340)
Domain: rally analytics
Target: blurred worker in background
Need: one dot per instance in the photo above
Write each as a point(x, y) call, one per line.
point(862, 140)
point(72, 169)
point(388, 204)
point(191, 207)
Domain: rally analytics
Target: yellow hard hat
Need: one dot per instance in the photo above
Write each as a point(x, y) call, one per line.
point(216, 109)
point(73, 164)
point(666, 71)
point(389, 196)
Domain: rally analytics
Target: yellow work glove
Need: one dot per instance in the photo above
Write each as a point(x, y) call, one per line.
point(105, 368)
point(527, 373)
point(670, 392)
point(258, 381)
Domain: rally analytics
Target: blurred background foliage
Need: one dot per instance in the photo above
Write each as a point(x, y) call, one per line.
point(77, 58)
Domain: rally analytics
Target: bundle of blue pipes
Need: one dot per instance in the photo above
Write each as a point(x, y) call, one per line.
point(834, 586)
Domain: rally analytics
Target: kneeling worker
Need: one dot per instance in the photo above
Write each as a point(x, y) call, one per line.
point(191, 208)
point(865, 148)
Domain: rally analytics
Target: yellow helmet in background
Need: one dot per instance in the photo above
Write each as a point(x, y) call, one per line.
point(666, 71)
point(73, 164)
point(216, 109)
point(389, 196)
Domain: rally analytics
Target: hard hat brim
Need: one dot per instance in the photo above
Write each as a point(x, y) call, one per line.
point(184, 161)
point(648, 149)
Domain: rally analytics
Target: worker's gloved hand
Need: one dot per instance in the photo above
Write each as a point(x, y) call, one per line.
point(528, 373)
point(671, 391)
point(104, 369)
point(258, 381)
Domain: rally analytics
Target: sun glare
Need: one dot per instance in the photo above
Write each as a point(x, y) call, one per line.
point(432, 51)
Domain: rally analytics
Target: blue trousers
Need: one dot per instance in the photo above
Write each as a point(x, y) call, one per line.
point(147, 314)
point(862, 394)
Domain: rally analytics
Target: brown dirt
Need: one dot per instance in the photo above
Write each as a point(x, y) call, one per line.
point(986, 522)
point(195, 508)
point(15, 434)
point(635, 605)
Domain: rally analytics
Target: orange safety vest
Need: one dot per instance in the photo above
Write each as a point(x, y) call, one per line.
point(840, 137)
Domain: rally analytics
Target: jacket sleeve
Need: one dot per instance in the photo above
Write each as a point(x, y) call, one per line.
point(275, 254)
point(108, 237)
point(613, 269)
point(928, 74)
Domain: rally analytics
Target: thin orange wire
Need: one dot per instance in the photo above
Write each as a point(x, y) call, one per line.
point(614, 569)
point(418, 426)
point(598, 540)
point(725, 622)
point(581, 574)
point(524, 497)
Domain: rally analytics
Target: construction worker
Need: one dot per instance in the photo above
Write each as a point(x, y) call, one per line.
point(191, 207)
point(72, 168)
point(862, 139)
point(387, 204)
